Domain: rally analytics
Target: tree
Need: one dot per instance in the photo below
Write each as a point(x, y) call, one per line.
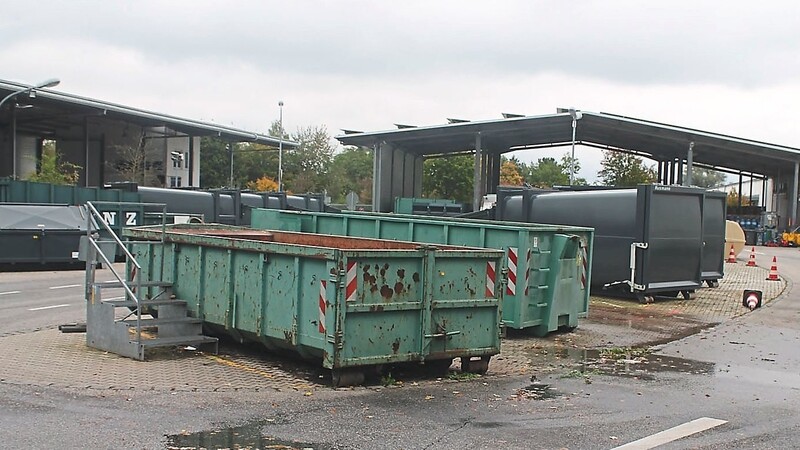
point(139, 160)
point(306, 167)
point(351, 170)
point(214, 163)
point(734, 198)
point(706, 178)
point(53, 170)
point(624, 169)
point(448, 177)
point(547, 172)
point(510, 172)
point(263, 184)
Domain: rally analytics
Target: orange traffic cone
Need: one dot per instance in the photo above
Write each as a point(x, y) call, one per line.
point(752, 261)
point(773, 271)
point(731, 256)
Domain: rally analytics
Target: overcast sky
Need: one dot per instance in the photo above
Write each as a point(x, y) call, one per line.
point(730, 67)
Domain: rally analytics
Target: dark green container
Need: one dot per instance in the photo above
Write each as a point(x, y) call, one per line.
point(548, 266)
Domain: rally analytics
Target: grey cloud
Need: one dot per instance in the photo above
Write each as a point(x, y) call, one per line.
point(735, 43)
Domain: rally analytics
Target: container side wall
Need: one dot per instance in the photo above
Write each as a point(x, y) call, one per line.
point(384, 312)
point(463, 317)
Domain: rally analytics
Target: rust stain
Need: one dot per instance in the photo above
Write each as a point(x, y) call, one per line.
point(396, 346)
point(401, 273)
point(287, 336)
point(386, 292)
point(415, 277)
point(376, 308)
point(374, 288)
point(383, 273)
point(398, 288)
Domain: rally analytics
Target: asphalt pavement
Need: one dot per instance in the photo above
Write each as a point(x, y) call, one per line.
point(731, 383)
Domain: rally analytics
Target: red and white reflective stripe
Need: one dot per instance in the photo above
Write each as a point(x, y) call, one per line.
point(322, 305)
point(350, 289)
point(527, 270)
point(584, 264)
point(511, 287)
point(133, 278)
point(490, 278)
point(513, 263)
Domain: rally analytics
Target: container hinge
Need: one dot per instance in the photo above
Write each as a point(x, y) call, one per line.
point(441, 335)
point(339, 278)
point(339, 339)
point(265, 258)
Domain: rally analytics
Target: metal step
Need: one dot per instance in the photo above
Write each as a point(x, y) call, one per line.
point(145, 302)
point(178, 340)
point(161, 321)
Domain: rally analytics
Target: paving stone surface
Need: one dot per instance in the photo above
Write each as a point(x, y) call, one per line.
point(50, 358)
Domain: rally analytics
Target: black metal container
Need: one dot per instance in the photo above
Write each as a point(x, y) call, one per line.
point(648, 239)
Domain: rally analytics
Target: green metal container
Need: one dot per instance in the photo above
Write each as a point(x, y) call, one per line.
point(351, 303)
point(548, 266)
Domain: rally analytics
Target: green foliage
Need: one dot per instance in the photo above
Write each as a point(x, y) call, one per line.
point(547, 172)
point(54, 171)
point(214, 163)
point(511, 172)
point(462, 376)
point(448, 178)
point(624, 169)
point(706, 178)
point(306, 168)
point(351, 170)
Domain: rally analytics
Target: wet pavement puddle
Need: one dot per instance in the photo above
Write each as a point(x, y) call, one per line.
point(248, 436)
point(631, 363)
point(536, 391)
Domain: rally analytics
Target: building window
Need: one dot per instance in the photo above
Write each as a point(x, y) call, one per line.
point(174, 182)
point(176, 163)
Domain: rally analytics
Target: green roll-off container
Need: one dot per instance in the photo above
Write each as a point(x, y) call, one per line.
point(548, 266)
point(351, 303)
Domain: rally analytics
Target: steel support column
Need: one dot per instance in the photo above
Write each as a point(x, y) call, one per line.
point(793, 199)
point(689, 161)
point(86, 151)
point(14, 141)
point(191, 161)
point(477, 194)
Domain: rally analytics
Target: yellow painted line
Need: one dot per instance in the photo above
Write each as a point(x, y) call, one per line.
point(610, 304)
point(236, 365)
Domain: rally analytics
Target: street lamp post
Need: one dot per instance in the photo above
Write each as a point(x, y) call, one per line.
point(280, 147)
point(28, 89)
point(576, 115)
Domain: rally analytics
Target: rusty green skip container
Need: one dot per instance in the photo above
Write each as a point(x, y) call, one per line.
point(355, 304)
point(548, 266)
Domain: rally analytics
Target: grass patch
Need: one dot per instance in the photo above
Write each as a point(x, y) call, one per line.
point(462, 376)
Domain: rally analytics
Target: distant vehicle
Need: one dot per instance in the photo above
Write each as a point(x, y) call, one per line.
point(791, 238)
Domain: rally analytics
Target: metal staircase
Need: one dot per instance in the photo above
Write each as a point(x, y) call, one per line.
point(166, 320)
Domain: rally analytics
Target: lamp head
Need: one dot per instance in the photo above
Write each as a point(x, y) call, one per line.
point(48, 83)
point(576, 115)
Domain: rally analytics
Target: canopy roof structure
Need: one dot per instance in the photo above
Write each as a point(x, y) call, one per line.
point(657, 141)
point(399, 153)
point(50, 113)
